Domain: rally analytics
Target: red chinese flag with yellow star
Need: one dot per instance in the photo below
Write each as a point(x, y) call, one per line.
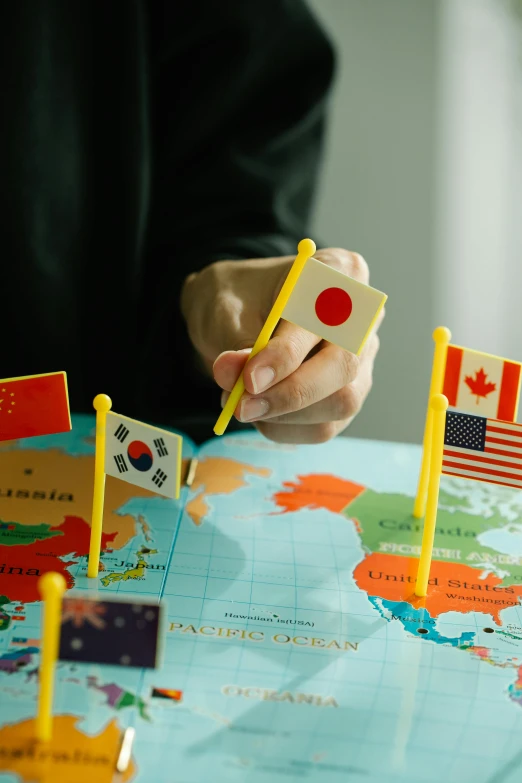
point(34, 405)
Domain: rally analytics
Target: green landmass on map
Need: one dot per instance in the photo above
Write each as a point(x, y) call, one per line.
point(387, 525)
point(5, 619)
point(118, 697)
point(14, 534)
point(130, 700)
point(447, 498)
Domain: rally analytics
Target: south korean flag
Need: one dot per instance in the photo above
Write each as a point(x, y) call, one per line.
point(143, 455)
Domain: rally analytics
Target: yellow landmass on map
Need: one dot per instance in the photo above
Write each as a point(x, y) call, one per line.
point(46, 486)
point(218, 476)
point(69, 756)
point(137, 572)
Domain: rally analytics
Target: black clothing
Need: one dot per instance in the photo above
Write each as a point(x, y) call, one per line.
point(139, 141)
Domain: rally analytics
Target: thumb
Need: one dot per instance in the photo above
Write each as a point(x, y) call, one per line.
point(228, 367)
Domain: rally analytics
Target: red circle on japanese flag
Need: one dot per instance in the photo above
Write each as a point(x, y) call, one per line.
point(333, 306)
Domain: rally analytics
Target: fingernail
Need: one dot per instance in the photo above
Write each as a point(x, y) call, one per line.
point(252, 409)
point(262, 377)
point(224, 397)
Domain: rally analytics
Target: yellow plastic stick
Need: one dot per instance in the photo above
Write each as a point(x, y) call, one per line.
point(102, 404)
point(439, 406)
point(441, 336)
point(51, 587)
point(305, 250)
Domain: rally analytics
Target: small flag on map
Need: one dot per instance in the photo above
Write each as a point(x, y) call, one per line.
point(116, 632)
point(333, 306)
point(22, 641)
point(143, 455)
point(34, 405)
point(483, 449)
point(167, 693)
point(480, 383)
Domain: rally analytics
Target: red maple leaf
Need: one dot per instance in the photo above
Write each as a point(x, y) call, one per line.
point(478, 385)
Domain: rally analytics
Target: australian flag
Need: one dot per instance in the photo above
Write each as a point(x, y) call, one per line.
point(115, 632)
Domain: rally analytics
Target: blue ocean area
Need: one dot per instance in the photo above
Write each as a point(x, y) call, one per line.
point(286, 669)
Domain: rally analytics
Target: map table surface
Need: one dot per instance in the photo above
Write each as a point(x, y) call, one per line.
point(295, 649)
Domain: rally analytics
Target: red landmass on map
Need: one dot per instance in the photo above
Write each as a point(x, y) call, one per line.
point(22, 566)
point(317, 491)
point(453, 587)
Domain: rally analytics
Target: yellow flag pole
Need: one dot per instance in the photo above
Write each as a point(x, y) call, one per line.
point(438, 406)
point(51, 587)
point(441, 337)
point(306, 249)
point(102, 404)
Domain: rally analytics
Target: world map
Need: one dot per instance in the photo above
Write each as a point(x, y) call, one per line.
point(295, 648)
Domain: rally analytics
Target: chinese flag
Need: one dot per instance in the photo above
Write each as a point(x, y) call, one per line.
point(34, 405)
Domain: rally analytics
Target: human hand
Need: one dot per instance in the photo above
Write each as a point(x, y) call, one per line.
point(299, 389)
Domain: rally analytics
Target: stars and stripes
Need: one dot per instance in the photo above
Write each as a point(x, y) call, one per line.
point(483, 449)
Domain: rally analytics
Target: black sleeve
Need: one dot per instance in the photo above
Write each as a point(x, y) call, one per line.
point(238, 91)
point(238, 99)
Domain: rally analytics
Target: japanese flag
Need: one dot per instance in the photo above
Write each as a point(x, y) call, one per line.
point(333, 306)
point(143, 455)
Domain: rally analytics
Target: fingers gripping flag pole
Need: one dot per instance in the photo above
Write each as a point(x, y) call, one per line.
point(438, 406)
point(441, 337)
point(306, 249)
point(102, 404)
point(51, 587)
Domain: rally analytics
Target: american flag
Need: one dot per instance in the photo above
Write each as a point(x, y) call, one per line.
point(483, 449)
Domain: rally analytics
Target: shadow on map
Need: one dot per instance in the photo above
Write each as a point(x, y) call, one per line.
point(252, 724)
point(506, 774)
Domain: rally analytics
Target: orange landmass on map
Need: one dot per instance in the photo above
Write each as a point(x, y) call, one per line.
point(52, 475)
point(317, 491)
point(452, 586)
point(21, 566)
point(218, 476)
point(69, 756)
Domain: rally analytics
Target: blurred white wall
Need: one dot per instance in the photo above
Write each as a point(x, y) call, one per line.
point(479, 153)
point(422, 176)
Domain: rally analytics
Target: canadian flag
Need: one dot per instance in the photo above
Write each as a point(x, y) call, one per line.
point(333, 306)
point(481, 383)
